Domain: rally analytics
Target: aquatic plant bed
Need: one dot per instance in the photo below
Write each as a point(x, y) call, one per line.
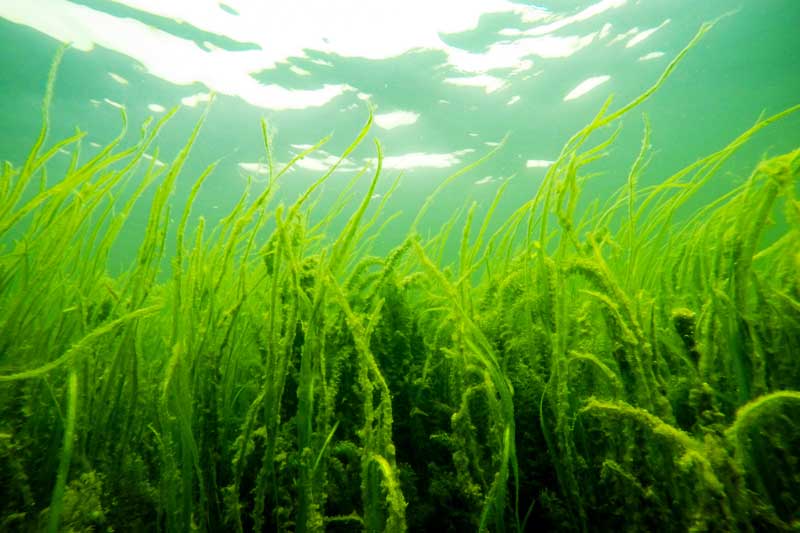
point(616, 368)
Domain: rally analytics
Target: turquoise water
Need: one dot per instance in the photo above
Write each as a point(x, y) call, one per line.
point(613, 349)
point(446, 83)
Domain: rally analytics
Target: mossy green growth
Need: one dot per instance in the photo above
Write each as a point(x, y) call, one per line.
point(618, 369)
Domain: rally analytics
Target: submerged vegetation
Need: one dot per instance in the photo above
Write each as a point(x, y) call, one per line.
point(620, 368)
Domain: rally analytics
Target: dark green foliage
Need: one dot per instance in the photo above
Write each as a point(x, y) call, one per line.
point(615, 370)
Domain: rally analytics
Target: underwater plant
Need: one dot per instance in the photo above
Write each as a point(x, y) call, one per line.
point(617, 368)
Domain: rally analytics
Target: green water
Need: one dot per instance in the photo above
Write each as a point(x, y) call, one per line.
point(490, 300)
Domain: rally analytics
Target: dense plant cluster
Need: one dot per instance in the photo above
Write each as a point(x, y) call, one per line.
point(614, 369)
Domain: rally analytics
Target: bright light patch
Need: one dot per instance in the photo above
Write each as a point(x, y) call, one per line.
point(157, 162)
point(156, 108)
point(538, 163)
point(419, 160)
point(117, 78)
point(323, 164)
point(299, 71)
point(641, 36)
point(623, 36)
point(484, 181)
point(280, 33)
point(364, 28)
point(182, 61)
point(513, 100)
point(255, 168)
point(195, 99)
point(651, 55)
point(489, 83)
point(591, 11)
point(395, 119)
point(585, 86)
point(112, 103)
point(553, 47)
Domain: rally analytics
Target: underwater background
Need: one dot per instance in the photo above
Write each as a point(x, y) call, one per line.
point(369, 266)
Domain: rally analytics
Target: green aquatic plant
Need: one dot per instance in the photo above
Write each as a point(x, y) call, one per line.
point(617, 367)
